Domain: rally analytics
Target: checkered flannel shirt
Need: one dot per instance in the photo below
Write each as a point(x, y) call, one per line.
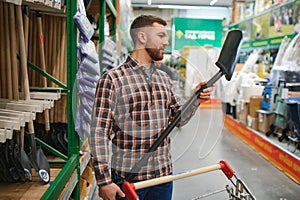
point(132, 109)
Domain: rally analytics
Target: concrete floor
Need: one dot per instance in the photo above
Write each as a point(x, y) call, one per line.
point(204, 142)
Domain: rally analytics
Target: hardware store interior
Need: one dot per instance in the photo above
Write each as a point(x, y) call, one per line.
point(243, 143)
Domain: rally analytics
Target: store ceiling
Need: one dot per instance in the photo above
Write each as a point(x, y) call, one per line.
point(144, 3)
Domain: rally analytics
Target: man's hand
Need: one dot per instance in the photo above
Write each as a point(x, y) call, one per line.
point(110, 191)
point(205, 94)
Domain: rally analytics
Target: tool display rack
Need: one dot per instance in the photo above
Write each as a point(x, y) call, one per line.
point(72, 170)
point(66, 184)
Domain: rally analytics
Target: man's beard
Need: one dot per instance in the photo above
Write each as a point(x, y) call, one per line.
point(155, 54)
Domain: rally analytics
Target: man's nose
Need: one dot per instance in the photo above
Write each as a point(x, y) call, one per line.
point(166, 42)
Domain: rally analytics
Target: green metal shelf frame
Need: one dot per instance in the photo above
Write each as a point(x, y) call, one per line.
point(73, 162)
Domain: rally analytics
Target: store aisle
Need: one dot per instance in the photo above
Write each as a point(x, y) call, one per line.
point(265, 181)
point(204, 142)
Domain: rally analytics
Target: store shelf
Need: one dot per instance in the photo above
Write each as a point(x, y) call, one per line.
point(86, 157)
point(262, 23)
point(70, 185)
point(28, 190)
point(50, 7)
point(280, 157)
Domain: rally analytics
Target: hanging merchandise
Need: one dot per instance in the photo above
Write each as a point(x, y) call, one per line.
point(289, 68)
point(88, 50)
point(292, 52)
point(244, 82)
point(251, 61)
point(282, 48)
point(88, 72)
point(84, 26)
point(109, 54)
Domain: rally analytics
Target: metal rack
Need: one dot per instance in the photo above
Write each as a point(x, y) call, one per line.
point(67, 181)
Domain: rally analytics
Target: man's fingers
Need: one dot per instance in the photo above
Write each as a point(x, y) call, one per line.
point(121, 193)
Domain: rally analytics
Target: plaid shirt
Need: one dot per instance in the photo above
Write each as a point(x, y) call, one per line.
point(132, 110)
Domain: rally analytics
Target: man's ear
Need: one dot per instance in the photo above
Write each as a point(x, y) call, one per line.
point(142, 37)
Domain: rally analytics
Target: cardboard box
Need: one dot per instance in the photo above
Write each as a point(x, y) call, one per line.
point(265, 119)
point(252, 122)
point(244, 111)
point(293, 94)
point(254, 104)
point(249, 91)
point(86, 181)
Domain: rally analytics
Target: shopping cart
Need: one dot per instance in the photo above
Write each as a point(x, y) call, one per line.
point(238, 190)
point(293, 105)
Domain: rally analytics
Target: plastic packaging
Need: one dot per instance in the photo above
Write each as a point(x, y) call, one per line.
point(88, 49)
point(84, 25)
point(89, 66)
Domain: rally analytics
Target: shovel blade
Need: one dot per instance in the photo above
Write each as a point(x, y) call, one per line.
point(38, 159)
point(26, 165)
point(229, 53)
point(44, 171)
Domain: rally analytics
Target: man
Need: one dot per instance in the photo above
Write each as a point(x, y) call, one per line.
point(134, 103)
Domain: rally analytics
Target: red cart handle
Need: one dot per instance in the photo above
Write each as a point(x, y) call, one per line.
point(129, 188)
point(227, 170)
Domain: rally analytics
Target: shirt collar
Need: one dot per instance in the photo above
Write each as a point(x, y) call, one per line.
point(135, 65)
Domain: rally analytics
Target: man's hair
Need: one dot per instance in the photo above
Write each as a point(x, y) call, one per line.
point(144, 21)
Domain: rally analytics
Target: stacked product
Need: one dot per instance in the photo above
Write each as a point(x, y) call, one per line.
point(88, 73)
point(109, 54)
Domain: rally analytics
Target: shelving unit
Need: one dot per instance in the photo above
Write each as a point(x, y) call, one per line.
point(67, 181)
point(267, 41)
point(66, 170)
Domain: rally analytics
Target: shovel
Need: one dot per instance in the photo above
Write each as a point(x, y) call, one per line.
point(11, 153)
point(5, 174)
point(226, 62)
point(35, 154)
point(21, 158)
point(37, 158)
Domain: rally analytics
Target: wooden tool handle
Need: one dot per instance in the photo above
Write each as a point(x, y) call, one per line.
point(26, 27)
point(166, 179)
point(41, 47)
point(23, 61)
point(7, 55)
point(2, 54)
point(13, 50)
point(43, 64)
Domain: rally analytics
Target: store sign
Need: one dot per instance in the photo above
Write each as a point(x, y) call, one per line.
point(202, 35)
point(196, 32)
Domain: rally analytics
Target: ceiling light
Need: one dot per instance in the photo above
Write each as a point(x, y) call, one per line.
point(178, 7)
point(213, 2)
